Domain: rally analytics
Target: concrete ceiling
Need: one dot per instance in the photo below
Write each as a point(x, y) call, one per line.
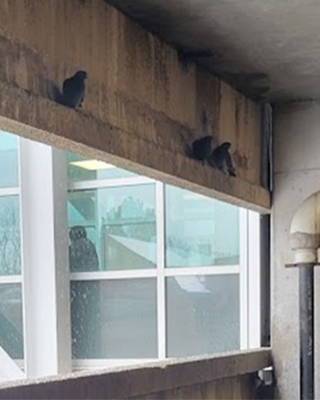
point(250, 43)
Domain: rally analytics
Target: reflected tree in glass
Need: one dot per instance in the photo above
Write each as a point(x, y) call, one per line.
point(10, 258)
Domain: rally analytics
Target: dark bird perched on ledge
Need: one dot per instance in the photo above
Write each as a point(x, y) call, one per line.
point(221, 159)
point(203, 148)
point(73, 90)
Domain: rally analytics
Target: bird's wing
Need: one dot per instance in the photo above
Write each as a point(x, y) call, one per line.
point(81, 101)
point(229, 164)
point(67, 86)
point(218, 156)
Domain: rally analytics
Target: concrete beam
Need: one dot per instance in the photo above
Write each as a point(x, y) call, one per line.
point(142, 106)
point(45, 121)
point(130, 382)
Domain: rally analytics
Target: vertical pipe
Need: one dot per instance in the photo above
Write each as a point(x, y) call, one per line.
point(306, 303)
point(266, 156)
point(266, 159)
point(265, 280)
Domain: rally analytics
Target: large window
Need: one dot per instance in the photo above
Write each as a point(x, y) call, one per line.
point(170, 269)
point(111, 268)
point(11, 326)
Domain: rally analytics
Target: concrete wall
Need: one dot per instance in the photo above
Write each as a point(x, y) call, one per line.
point(230, 376)
point(297, 176)
point(142, 108)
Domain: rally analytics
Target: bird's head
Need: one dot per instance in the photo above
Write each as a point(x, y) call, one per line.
point(77, 232)
point(226, 145)
point(81, 75)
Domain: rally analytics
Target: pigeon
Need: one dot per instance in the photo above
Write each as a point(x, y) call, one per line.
point(202, 148)
point(221, 159)
point(82, 252)
point(73, 90)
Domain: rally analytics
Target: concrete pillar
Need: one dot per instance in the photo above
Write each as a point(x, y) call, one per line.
point(297, 176)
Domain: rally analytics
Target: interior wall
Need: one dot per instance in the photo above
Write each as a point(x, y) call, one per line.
point(297, 176)
point(141, 103)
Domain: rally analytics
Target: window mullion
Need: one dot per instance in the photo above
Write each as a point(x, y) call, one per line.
point(244, 317)
point(254, 302)
point(161, 293)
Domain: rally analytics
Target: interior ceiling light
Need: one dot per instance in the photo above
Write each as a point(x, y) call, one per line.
point(194, 196)
point(92, 165)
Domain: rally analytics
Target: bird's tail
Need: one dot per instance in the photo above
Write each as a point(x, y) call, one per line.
point(188, 150)
point(54, 93)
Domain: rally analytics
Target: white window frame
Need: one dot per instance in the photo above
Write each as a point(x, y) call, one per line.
point(46, 294)
point(248, 270)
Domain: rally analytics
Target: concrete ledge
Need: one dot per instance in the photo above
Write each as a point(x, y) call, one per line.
point(125, 383)
point(40, 119)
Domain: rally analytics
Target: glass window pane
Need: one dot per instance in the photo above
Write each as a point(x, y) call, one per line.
point(200, 231)
point(112, 228)
point(9, 235)
point(86, 169)
point(114, 319)
point(203, 315)
point(9, 160)
point(11, 327)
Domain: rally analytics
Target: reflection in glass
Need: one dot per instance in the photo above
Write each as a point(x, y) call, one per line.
point(114, 319)
point(11, 329)
point(120, 222)
point(200, 231)
point(82, 252)
point(86, 169)
point(9, 235)
point(9, 160)
point(203, 315)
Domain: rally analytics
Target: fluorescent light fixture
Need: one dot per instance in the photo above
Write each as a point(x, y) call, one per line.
point(194, 196)
point(92, 165)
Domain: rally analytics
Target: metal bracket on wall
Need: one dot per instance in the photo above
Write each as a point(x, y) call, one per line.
point(265, 384)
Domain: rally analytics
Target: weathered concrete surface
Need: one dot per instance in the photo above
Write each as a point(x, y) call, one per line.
point(51, 123)
point(277, 38)
point(140, 99)
point(219, 377)
point(297, 176)
point(239, 388)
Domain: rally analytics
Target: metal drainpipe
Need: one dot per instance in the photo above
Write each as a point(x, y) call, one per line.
point(305, 241)
point(306, 315)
